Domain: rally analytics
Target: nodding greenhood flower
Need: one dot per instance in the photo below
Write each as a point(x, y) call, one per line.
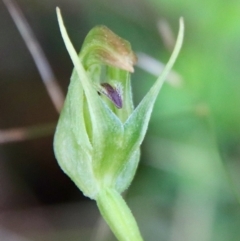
point(99, 133)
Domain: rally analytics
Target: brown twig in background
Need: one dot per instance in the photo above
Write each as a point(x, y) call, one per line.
point(49, 80)
point(21, 134)
point(155, 67)
point(37, 53)
point(166, 34)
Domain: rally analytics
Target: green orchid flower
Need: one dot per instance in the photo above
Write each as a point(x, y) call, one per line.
point(99, 133)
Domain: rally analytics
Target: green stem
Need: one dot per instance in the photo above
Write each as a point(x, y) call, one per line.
point(118, 215)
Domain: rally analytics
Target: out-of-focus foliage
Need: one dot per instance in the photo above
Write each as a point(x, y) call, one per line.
point(192, 147)
point(187, 184)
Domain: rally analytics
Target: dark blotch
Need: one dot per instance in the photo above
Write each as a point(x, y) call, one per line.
point(113, 94)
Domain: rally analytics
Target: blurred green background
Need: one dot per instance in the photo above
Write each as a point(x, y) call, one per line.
point(188, 182)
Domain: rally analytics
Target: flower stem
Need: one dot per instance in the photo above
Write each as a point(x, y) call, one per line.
point(118, 215)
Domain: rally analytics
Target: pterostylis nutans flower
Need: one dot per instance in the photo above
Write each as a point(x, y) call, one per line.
point(99, 133)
